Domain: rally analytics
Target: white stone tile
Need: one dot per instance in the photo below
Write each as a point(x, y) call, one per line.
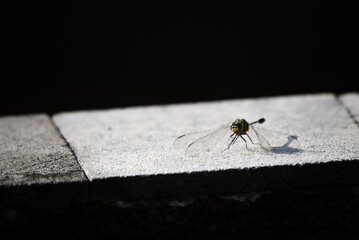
point(138, 141)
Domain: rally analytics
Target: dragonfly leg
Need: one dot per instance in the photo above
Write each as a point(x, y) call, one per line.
point(244, 140)
point(250, 138)
point(231, 143)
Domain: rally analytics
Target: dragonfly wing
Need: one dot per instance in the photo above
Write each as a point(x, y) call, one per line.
point(204, 141)
point(186, 139)
point(262, 141)
point(275, 139)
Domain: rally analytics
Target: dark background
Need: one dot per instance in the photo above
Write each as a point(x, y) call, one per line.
point(71, 56)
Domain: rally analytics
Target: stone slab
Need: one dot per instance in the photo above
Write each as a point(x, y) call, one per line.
point(126, 151)
point(351, 102)
point(33, 154)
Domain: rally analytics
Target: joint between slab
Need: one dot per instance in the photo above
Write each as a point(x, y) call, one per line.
point(350, 113)
point(73, 153)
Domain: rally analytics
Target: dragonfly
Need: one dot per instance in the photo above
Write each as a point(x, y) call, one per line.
point(224, 137)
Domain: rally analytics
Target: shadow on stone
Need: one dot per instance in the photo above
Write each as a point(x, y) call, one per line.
point(286, 149)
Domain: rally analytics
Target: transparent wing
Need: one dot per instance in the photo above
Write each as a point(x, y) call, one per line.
point(277, 142)
point(214, 140)
point(262, 141)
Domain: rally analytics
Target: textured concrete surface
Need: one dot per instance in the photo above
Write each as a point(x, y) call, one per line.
point(32, 151)
point(133, 147)
point(33, 154)
point(351, 102)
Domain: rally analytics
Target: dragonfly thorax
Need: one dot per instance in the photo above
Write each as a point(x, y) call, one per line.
point(240, 126)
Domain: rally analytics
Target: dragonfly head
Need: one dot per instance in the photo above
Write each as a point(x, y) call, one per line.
point(239, 126)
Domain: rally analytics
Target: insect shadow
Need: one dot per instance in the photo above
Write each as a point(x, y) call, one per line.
point(286, 149)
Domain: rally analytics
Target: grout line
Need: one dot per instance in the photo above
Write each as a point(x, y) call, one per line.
point(74, 154)
point(351, 115)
